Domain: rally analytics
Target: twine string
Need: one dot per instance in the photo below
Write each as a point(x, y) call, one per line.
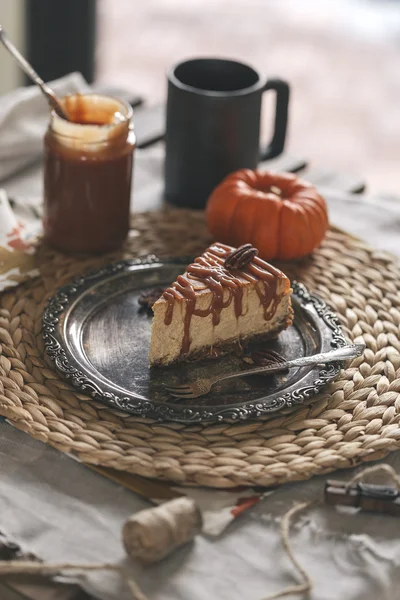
point(21, 567)
point(385, 468)
point(292, 514)
point(288, 518)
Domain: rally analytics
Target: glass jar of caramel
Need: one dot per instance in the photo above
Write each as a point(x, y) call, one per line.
point(87, 174)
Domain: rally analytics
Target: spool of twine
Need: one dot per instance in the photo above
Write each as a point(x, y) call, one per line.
point(148, 536)
point(151, 535)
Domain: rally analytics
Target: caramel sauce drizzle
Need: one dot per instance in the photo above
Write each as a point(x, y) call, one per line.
point(208, 271)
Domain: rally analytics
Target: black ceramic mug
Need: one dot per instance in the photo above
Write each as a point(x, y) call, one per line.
point(213, 125)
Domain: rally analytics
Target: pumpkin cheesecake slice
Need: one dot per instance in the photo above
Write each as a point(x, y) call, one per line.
point(226, 295)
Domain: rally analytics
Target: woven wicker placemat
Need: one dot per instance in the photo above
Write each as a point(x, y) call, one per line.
point(356, 419)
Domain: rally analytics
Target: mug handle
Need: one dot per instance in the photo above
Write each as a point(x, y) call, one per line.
point(281, 118)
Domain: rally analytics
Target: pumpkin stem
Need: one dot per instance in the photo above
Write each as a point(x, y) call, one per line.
point(275, 190)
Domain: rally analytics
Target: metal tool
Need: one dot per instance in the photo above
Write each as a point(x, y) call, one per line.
point(367, 496)
point(200, 387)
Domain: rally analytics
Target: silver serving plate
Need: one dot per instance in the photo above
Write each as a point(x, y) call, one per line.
point(98, 338)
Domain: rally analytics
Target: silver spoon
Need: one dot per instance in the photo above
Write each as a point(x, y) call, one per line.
point(48, 92)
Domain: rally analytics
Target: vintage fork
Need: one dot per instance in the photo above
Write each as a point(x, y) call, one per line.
point(200, 387)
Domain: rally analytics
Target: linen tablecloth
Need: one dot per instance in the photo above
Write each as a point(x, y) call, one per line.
point(61, 511)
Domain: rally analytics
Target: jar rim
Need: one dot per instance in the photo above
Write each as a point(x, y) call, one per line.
point(104, 142)
point(127, 108)
point(73, 130)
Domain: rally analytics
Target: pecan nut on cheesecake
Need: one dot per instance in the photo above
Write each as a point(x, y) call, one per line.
point(226, 295)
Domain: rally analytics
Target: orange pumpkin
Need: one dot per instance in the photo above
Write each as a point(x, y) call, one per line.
point(280, 214)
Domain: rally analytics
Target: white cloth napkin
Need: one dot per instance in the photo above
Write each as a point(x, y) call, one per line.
point(17, 244)
point(24, 115)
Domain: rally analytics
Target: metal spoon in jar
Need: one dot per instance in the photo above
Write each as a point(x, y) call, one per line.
point(48, 92)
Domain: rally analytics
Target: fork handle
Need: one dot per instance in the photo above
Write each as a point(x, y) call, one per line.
point(344, 353)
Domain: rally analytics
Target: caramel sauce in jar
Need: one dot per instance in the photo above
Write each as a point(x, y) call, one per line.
point(87, 174)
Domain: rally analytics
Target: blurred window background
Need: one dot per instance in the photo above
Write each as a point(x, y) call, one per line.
point(340, 56)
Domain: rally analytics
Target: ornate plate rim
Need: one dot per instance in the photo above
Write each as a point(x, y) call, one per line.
point(161, 411)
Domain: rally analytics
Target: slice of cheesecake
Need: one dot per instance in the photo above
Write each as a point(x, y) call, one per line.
point(226, 295)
